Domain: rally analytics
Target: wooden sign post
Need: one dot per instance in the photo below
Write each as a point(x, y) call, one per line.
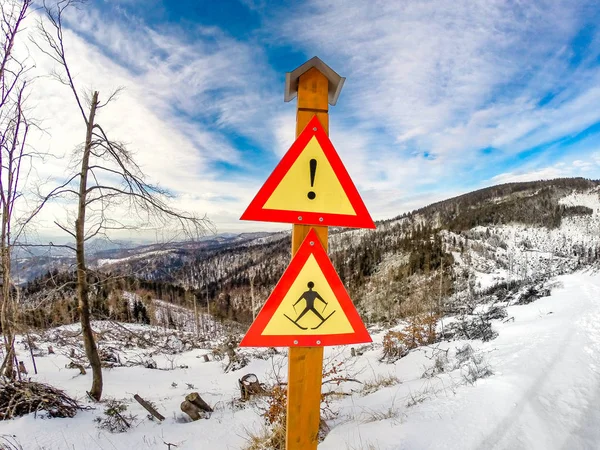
point(305, 364)
point(311, 189)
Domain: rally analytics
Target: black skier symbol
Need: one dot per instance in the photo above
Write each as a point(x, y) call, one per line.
point(310, 296)
point(312, 164)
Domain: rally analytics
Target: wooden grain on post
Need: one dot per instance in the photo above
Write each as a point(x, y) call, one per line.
point(305, 364)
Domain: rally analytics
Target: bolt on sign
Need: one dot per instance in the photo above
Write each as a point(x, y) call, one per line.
point(310, 186)
point(309, 307)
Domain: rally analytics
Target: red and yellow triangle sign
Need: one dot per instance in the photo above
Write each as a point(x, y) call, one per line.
point(309, 307)
point(310, 185)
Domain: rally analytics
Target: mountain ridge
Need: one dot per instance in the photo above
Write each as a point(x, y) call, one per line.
point(478, 238)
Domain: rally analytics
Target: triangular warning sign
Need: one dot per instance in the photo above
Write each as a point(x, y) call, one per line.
point(309, 307)
point(310, 185)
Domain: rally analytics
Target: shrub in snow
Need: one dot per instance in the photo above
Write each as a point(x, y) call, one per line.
point(495, 313)
point(531, 294)
point(464, 354)
point(441, 364)
point(394, 347)
point(419, 331)
point(174, 344)
point(268, 438)
point(473, 365)
point(115, 420)
point(477, 367)
point(470, 327)
point(379, 382)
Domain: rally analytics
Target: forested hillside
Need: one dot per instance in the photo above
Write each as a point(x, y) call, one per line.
point(415, 262)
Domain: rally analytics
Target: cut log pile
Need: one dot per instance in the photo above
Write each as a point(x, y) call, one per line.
point(19, 398)
point(195, 407)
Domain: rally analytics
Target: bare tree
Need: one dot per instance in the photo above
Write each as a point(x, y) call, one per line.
point(14, 128)
point(106, 182)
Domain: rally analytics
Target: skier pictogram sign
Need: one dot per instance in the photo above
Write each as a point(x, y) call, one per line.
point(310, 185)
point(309, 307)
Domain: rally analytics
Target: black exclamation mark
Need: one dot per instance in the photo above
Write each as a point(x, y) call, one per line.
point(313, 171)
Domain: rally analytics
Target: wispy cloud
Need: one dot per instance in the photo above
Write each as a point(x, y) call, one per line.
point(432, 84)
point(576, 168)
point(440, 97)
point(185, 100)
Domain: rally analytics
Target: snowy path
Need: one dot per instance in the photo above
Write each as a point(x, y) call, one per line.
point(544, 393)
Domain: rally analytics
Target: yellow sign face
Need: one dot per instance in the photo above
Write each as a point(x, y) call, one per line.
point(311, 185)
point(310, 307)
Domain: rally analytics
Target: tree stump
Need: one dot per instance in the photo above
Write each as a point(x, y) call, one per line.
point(74, 365)
point(191, 410)
point(195, 407)
point(250, 386)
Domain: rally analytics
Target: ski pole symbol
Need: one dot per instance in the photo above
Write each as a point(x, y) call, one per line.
point(310, 297)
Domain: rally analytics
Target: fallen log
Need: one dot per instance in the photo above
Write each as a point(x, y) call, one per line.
point(148, 407)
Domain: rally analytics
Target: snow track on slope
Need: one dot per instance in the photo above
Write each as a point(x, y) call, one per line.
point(544, 393)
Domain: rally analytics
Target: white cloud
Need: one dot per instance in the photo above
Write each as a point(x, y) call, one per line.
point(577, 168)
point(445, 80)
point(429, 85)
point(181, 100)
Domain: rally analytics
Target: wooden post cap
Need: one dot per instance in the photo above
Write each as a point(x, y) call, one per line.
point(335, 81)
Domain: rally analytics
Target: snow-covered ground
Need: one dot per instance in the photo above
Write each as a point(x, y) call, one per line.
point(543, 394)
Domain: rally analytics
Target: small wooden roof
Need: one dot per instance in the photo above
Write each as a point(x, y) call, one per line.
point(335, 81)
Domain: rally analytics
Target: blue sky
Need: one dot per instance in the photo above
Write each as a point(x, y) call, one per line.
point(441, 98)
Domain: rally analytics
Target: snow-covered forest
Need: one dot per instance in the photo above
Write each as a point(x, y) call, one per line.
point(484, 335)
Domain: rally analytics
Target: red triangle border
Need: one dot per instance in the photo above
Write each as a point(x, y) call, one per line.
point(310, 246)
point(256, 212)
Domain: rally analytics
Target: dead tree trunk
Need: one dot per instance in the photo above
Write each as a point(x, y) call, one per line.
point(196, 315)
point(6, 313)
point(82, 283)
point(108, 176)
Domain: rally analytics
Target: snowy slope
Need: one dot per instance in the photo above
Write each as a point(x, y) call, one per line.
point(520, 252)
point(543, 393)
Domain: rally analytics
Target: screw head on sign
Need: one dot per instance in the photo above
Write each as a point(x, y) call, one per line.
point(320, 219)
point(315, 129)
point(318, 342)
point(312, 243)
point(296, 342)
point(299, 217)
